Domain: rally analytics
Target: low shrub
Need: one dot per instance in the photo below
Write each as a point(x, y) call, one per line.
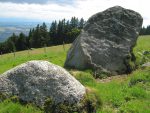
point(101, 74)
point(140, 76)
point(89, 104)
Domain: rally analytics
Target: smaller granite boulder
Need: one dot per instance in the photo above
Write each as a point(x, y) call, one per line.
point(35, 81)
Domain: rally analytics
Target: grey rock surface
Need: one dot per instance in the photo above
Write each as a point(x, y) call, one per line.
point(146, 64)
point(106, 41)
point(35, 81)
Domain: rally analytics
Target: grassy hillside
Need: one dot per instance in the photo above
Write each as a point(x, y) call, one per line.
point(123, 94)
point(55, 54)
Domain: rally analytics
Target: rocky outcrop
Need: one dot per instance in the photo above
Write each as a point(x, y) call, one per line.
point(146, 64)
point(106, 42)
point(35, 81)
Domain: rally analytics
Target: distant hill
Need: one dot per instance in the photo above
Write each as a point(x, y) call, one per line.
point(7, 28)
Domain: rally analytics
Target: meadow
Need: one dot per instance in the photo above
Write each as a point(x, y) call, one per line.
point(118, 94)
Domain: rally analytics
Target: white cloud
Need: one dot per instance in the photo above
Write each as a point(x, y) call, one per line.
point(34, 11)
point(80, 8)
point(88, 7)
point(61, 2)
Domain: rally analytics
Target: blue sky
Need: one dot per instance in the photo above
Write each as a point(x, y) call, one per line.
point(49, 10)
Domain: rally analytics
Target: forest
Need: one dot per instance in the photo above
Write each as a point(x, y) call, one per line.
point(61, 32)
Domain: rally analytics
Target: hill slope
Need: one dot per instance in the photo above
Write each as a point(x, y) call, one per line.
point(8, 28)
point(123, 94)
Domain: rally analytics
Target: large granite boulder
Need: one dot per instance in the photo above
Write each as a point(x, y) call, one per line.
point(36, 81)
point(106, 41)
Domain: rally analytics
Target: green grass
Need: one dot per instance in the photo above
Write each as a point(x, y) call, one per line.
point(10, 107)
point(126, 94)
point(143, 44)
point(55, 54)
point(119, 95)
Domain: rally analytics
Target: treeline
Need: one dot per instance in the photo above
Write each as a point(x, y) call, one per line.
point(145, 30)
point(58, 33)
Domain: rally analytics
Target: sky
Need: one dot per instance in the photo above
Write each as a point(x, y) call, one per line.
point(49, 10)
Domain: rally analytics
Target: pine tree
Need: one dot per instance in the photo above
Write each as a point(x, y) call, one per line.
point(81, 23)
point(53, 32)
point(74, 23)
point(35, 42)
point(147, 31)
point(44, 35)
point(60, 32)
point(21, 42)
